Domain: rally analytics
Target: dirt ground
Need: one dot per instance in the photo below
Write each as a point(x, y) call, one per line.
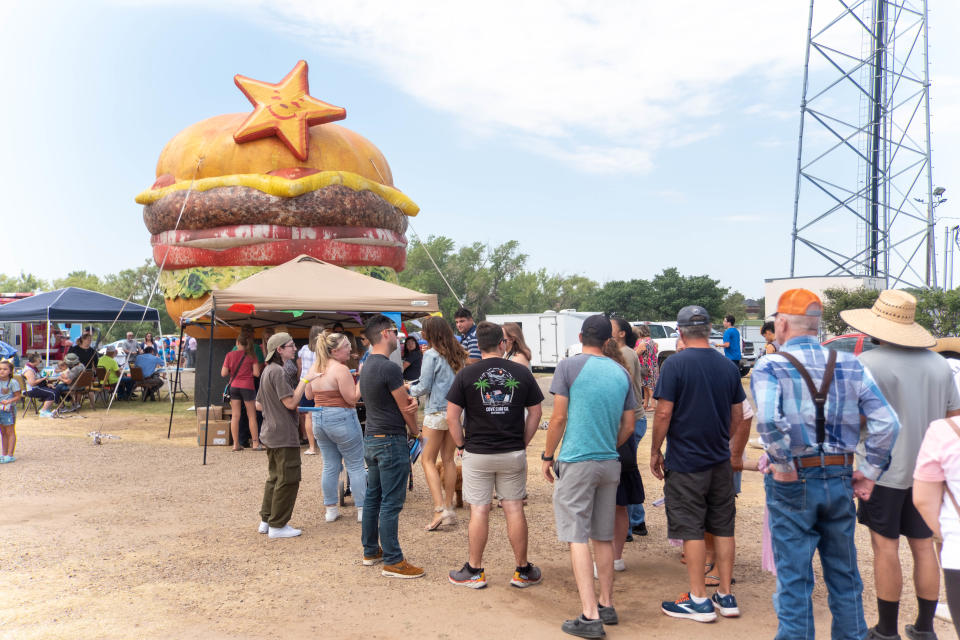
point(135, 538)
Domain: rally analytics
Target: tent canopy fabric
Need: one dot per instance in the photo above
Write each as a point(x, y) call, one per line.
point(76, 305)
point(305, 289)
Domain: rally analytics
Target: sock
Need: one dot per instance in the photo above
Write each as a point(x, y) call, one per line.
point(722, 595)
point(697, 600)
point(473, 569)
point(523, 568)
point(887, 613)
point(925, 611)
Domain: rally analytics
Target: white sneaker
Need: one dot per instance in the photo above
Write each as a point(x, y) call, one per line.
point(359, 514)
point(263, 528)
point(619, 565)
point(333, 513)
point(286, 531)
point(45, 414)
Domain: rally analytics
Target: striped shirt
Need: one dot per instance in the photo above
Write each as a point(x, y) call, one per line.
point(469, 342)
point(786, 417)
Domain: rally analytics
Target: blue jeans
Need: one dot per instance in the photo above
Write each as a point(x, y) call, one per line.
point(340, 439)
point(816, 513)
point(388, 467)
point(635, 511)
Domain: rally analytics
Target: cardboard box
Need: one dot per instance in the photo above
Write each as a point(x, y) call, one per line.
point(218, 434)
point(216, 413)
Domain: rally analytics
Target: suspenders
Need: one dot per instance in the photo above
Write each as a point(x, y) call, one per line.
point(819, 395)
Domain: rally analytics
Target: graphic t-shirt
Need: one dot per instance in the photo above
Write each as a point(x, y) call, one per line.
point(732, 336)
point(9, 389)
point(494, 393)
point(599, 391)
point(703, 386)
point(379, 379)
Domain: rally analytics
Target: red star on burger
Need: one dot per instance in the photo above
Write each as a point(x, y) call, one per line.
point(284, 110)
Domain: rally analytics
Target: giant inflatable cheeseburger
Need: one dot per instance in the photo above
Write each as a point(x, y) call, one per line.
point(237, 193)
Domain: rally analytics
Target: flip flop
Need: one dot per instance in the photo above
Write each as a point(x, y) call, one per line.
point(309, 453)
point(259, 448)
point(437, 521)
point(715, 581)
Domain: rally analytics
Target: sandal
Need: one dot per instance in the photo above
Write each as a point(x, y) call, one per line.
point(259, 447)
point(437, 520)
point(237, 450)
point(309, 453)
point(449, 517)
point(714, 581)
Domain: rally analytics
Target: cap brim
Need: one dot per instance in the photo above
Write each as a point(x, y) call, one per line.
point(901, 335)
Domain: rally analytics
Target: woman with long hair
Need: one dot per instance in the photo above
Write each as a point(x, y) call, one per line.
point(650, 369)
point(336, 427)
point(630, 489)
point(412, 359)
point(306, 356)
point(517, 349)
point(240, 366)
point(440, 364)
point(148, 341)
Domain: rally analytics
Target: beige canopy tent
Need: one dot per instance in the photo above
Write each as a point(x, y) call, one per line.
point(303, 290)
point(298, 293)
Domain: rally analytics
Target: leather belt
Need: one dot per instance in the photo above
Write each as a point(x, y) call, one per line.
point(839, 459)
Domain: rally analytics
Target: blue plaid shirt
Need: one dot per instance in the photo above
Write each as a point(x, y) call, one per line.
point(786, 417)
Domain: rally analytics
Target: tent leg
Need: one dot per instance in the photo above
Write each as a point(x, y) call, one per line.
point(176, 383)
point(163, 356)
point(206, 425)
point(48, 339)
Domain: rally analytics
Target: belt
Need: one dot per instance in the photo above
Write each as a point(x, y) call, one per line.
point(839, 459)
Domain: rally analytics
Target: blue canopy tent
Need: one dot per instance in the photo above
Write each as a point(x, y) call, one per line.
point(76, 305)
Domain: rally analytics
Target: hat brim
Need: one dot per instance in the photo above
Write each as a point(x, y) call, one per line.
point(902, 335)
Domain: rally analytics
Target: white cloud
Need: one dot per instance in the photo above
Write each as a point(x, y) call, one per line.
point(602, 86)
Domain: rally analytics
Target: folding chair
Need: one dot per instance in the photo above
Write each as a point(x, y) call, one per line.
point(148, 387)
point(101, 390)
point(82, 389)
point(23, 395)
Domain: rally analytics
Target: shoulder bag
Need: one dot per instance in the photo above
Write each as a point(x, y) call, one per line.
point(226, 390)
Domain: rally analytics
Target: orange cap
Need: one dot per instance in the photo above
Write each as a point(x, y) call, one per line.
point(800, 302)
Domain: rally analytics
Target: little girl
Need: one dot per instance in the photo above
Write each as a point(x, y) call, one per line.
point(9, 397)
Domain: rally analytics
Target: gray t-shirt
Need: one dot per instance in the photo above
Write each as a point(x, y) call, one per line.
point(379, 379)
point(279, 427)
point(918, 384)
point(130, 347)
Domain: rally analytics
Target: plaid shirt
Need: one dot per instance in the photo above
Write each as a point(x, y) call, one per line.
point(786, 417)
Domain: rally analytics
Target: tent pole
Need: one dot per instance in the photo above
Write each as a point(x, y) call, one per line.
point(48, 338)
point(206, 426)
point(163, 356)
point(176, 383)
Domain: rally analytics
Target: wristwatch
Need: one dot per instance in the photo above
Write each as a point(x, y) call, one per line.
point(545, 457)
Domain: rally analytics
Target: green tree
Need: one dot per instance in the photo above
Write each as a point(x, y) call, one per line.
point(839, 299)
point(79, 279)
point(24, 283)
point(938, 311)
point(631, 299)
point(734, 304)
point(672, 292)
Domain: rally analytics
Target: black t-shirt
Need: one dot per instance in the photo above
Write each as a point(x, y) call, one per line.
point(88, 357)
point(703, 385)
point(415, 358)
point(379, 379)
point(493, 393)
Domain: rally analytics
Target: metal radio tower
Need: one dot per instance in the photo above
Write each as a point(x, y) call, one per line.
point(864, 193)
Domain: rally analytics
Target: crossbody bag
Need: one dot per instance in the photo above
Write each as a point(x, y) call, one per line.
point(226, 390)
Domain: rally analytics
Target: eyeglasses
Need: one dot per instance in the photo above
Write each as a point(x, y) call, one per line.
point(394, 330)
point(290, 346)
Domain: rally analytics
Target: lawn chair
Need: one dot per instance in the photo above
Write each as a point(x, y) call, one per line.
point(149, 387)
point(102, 390)
point(83, 389)
point(23, 395)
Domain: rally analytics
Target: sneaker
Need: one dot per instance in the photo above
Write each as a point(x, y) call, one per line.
point(640, 529)
point(359, 514)
point(608, 615)
point(685, 607)
point(402, 569)
point(725, 605)
point(369, 561)
point(911, 632)
point(876, 635)
point(6, 459)
point(619, 565)
point(629, 537)
point(286, 531)
point(526, 576)
point(45, 414)
point(263, 528)
point(332, 513)
point(583, 628)
point(467, 576)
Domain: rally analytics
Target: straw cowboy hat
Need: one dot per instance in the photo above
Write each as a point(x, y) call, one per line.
point(891, 320)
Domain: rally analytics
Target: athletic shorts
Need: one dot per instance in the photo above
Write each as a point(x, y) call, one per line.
point(247, 395)
point(890, 512)
point(482, 472)
point(585, 499)
point(703, 501)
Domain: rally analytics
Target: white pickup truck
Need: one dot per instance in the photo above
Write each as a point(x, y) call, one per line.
point(664, 334)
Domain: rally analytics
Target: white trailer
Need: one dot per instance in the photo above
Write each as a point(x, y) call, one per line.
point(548, 334)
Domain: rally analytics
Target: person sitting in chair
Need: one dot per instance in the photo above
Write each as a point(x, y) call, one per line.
point(152, 367)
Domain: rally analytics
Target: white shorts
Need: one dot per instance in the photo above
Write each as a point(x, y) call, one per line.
point(436, 421)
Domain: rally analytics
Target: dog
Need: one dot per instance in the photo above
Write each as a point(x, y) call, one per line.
point(459, 482)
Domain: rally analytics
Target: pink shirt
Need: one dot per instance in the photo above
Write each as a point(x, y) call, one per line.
point(939, 461)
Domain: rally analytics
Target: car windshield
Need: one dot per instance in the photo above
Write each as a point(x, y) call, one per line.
point(657, 331)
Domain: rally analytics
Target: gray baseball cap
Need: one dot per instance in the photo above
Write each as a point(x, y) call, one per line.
point(693, 316)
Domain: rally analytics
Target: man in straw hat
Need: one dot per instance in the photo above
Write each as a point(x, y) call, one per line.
point(919, 386)
point(810, 437)
point(280, 434)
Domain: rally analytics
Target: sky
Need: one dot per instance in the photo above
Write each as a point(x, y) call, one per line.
point(612, 139)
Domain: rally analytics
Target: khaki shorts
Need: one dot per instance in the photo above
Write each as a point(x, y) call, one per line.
point(585, 499)
point(436, 421)
point(482, 472)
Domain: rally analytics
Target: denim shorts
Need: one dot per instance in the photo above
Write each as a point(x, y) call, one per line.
point(8, 418)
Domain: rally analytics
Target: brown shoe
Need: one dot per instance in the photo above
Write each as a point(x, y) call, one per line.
point(369, 561)
point(402, 569)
